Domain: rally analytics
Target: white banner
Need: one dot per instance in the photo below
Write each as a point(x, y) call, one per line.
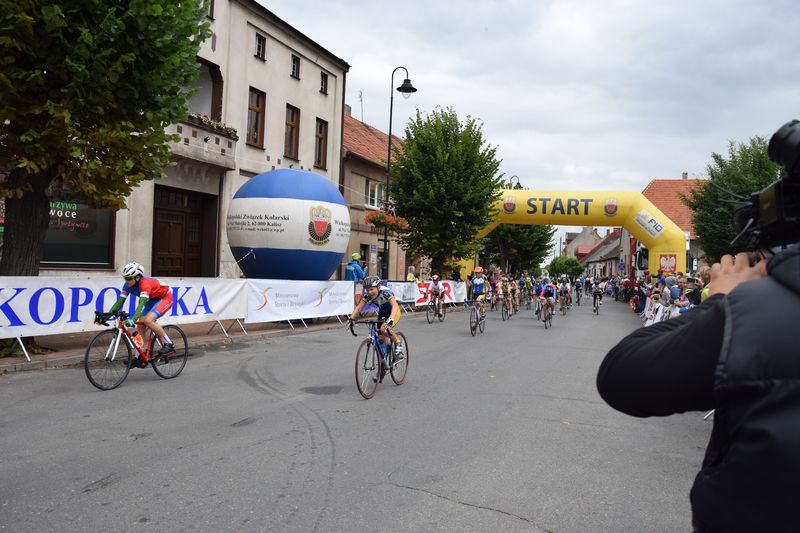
point(55, 305)
point(273, 300)
point(404, 291)
point(454, 292)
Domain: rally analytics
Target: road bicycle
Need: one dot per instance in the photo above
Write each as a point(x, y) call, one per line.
point(112, 352)
point(431, 312)
point(562, 300)
point(538, 309)
point(477, 319)
point(548, 316)
point(374, 359)
point(504, 305)
point(527, 297)
point(578, 296)
point(596, 303)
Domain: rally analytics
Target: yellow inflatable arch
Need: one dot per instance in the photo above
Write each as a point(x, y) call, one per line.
point(665, 241)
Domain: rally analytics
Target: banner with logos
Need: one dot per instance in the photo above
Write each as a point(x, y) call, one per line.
point(454, 292)
point(404, 291)
point(54, 305)
point(276, 300)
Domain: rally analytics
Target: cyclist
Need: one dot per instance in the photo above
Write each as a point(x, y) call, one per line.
point(504, 291)
point(547, 296)
point(436, 293)
point(388, 311)
point(479, 288)
point(514, 292)
point(597, 292)
point(155, 299)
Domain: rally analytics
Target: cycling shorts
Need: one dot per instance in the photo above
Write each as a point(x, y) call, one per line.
point(384, 315)
point(158, 306)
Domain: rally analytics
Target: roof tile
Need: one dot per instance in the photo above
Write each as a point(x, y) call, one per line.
point(367, 142)
point(666, 195)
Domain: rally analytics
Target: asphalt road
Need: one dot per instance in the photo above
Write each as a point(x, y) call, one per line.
point(501, 432)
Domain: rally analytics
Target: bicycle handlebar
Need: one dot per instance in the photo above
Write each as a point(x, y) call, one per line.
point(103, 318)
point(352, 323)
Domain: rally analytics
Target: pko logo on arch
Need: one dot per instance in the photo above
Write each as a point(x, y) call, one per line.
point(21, 306)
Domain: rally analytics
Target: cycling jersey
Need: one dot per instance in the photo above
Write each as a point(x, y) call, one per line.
point(548, 291)
point(383, 300)
point(505, 287)
point(436, 287)
point(146, 288)
point(478, 285)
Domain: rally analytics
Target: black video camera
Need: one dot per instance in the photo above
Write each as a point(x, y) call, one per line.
point(771, 217)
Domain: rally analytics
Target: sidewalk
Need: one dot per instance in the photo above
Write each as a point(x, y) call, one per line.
point(69, 348)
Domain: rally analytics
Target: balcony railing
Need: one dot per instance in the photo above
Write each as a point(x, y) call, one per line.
point(205, 141)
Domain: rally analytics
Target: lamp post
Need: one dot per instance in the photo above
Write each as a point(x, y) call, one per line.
point(511, 181)
point(405, 89)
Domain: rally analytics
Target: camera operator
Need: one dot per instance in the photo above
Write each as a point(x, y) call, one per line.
point(736, 353)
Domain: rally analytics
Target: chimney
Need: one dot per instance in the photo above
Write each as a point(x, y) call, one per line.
point(685, 176)
point(348, 111)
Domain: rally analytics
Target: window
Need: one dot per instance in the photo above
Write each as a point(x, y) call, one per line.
point(295, 67)
point(323, 83)
point(209, 5)
point(292, 132)
point(321, 144)
point(261, 46)
point(77, 235)
point(255, 118)
point(374, 194)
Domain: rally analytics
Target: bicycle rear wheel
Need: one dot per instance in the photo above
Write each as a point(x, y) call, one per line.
point(442, 312)
point(482, 323)
point(399, 368)
point(105, 366)
point(368, 369)
point(169, 366)
point(430, 313)
point(473, 321)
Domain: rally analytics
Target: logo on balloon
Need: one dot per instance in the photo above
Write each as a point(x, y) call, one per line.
point(319, 225)
point(509, 205)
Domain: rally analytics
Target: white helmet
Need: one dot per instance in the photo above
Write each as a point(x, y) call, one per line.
point(132, 269)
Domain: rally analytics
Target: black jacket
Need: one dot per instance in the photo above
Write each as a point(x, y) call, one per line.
point(739, 354)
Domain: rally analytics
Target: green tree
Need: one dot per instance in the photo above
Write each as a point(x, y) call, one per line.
point(520, 246)
point(86, 90)
point(569, 266)
point(745, 170)
point(445, 183)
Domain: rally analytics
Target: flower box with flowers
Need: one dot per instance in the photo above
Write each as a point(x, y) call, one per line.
point(206, 123)
point(382, 219)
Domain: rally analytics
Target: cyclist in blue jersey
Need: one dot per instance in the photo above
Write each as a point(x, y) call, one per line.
point(480, 286)
point(388, 310)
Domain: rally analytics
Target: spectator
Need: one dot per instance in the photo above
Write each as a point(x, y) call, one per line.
point(735, 355)
point(705, 278)
point(410, 275)
point(353, 270)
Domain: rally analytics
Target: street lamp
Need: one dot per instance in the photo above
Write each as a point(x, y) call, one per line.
point(405, 89)
point(511, 181)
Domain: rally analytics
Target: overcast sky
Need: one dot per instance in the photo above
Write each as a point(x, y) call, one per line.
point(574, 94)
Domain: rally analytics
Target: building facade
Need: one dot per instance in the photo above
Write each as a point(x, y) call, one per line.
point(267, 97)
point(364, 189)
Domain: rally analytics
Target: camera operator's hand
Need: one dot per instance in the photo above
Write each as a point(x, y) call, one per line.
point(731, 271)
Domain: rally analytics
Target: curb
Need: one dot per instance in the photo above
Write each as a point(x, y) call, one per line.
point(73, 360)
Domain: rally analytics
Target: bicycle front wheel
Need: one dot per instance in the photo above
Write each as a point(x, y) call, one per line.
point(368, 369)
point(399, 368)
point(107, 365)
point(430, 313)
point(170, 365)
point(504, 312)
point(473, 321)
